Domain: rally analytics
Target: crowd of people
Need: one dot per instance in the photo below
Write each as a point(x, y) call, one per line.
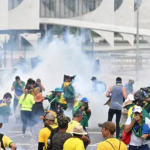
point(51, 129)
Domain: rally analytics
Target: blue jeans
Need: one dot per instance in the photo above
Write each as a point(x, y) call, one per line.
point(142, 147)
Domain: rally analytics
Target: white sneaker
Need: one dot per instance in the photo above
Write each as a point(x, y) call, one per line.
point(30, 134)
point(23, 136)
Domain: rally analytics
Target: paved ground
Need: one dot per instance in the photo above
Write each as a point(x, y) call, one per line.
point(14, 132)
point(24, 143)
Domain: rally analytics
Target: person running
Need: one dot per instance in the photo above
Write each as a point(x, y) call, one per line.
point(117, 94)
point(69, 92)
point(26, 101)
point(5, 110)
point(134, 125)
point(18, 85)
point(60, 138)
point(75, 142)
point(5, 141)
point(45, 134)
point(98, 86)
point(38, 82)
point(37, 123)
point(129, 86)
point(110, 143)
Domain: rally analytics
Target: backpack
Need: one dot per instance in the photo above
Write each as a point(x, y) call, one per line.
point(1, 142)
point(49, 141)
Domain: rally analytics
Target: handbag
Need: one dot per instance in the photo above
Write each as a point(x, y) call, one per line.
point(126, 137)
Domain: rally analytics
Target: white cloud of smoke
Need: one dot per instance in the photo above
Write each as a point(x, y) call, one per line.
point(59, 58)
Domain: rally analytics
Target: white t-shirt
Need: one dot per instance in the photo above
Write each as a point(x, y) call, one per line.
point(137, 141)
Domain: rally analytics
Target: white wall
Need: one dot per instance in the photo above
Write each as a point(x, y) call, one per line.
point(3, 14)
point(25, 15)
point(124, 16)
point(103, 14)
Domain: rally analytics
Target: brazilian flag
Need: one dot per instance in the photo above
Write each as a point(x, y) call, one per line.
point(86, 116)
point(63, 102)
point(58, 100)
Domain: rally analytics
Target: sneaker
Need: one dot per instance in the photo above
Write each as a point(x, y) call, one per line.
point(30, 134)
point(23, 136)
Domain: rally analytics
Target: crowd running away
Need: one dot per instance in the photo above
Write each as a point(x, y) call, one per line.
point(51, 129)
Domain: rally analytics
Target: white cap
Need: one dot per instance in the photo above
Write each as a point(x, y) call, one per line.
point(138, 109)
point(130, 97)
point(131, 78)
point(148, 84)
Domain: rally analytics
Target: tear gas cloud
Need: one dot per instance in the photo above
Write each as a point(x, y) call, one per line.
point(59, 58)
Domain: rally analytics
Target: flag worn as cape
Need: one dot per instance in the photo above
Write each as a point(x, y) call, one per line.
point(86, 116)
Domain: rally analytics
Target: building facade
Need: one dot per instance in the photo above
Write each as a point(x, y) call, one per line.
point(28, 15)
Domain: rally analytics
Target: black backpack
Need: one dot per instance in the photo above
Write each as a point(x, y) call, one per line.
point(49, 141)
point(1, 140)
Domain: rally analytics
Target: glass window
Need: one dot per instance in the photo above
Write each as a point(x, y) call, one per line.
point(67, 8)
point(117, 4)
point(13, 3)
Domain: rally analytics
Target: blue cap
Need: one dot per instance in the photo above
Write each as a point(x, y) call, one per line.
point(58, 89)
point(85, 100)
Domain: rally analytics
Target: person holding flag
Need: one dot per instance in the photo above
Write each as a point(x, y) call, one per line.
point(56, 100)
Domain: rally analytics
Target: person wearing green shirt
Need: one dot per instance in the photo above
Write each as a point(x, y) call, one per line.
point(69, 91)
point(5, 110)
point(18, 88)
point(84, 107)
point(26, 101)
point(56, 100)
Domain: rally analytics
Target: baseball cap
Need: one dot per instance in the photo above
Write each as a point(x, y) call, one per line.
point(48, 116)
point(130, 97)
point(131, 78)
point(85, 100)
point(94, 78)
point(118, 80)
point(138, 109)
point(78, 113)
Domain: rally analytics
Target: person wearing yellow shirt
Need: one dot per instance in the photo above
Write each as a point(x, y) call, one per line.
point(75, 142)
point(26, 101)
point(6, 142)
point(111, 143)
point(45, 135)
point(77, 117)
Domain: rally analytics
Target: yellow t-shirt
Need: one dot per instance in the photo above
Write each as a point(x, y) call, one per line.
point(73, 144)
point(115, 143)
point(6, 141)
point(45, 134)
point(71, 125)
